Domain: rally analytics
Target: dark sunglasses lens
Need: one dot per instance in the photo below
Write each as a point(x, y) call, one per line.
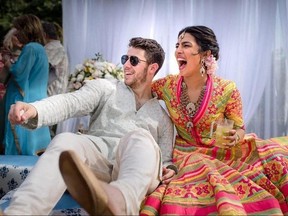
point(124, 58)
point(134, 60)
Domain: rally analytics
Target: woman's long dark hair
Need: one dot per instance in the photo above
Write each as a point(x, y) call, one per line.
point(29, 29)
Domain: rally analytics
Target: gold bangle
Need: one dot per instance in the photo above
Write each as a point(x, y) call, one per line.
point(237, 137)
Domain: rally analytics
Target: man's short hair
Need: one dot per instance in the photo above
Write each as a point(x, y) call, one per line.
point(50, 30)
point(154, 53)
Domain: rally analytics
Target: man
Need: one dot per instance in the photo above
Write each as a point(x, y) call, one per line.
point(58, 64)
point(58, 60)
point(120, 150)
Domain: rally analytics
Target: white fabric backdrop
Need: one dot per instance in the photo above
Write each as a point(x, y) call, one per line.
point(252, 35)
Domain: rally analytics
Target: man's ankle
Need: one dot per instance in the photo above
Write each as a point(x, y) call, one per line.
point(116, 200)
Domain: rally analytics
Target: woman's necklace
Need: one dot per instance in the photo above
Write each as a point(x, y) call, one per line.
point(189, 106)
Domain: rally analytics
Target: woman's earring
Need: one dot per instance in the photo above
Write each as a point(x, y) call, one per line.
point(202, 69)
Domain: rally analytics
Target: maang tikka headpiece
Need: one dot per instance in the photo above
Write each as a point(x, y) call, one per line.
point(182, 35)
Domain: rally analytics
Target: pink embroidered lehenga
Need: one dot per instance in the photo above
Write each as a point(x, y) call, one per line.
point(248, 179)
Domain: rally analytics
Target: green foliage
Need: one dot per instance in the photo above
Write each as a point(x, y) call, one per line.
point(48, 10)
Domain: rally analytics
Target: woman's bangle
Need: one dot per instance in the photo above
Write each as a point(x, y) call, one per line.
point(237, 137)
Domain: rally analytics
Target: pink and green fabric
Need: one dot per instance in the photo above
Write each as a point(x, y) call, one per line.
point(248, 179)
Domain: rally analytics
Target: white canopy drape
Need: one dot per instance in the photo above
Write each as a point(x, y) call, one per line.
point(252, 35)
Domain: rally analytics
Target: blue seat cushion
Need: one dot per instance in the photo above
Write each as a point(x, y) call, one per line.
point(13, 171)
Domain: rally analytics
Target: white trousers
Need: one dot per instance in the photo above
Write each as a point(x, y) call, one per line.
point(135, 172)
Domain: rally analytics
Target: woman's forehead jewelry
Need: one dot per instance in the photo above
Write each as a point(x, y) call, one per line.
point(182, 35)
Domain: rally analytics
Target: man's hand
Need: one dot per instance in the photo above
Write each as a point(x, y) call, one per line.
point(20, 113)
point(167, 175)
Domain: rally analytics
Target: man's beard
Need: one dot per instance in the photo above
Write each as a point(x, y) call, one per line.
point(138, 82)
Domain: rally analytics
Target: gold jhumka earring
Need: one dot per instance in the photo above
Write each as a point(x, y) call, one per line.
point(202, 69)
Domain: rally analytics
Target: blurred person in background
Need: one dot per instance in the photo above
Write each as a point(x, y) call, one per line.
point(28, 82)
point(10, 50)
point(58, 60)
point(58, 64)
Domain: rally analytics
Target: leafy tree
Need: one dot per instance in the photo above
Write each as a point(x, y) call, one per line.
point(48, 10)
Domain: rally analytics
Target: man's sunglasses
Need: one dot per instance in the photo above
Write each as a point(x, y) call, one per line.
point(134, 60)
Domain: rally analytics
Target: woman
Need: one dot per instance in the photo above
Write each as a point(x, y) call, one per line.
point(238, 176)
point(10, 50)
point(28, 82)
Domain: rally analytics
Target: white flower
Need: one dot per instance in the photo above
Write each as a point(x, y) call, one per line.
point(93, 69)
point(97, 73)
point(109, 76)
point(79, 67)
point(73, 79)
point(77, 85)
point(100, 65)
point(110, 67)
point(80, 77)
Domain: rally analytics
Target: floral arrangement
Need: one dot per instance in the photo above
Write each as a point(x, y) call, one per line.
point(211, 64)
point(93, 69)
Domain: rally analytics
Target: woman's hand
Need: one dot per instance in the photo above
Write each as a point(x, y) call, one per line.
point(234, 136)
point(231, 136)
point(7, 59)
point(167, 175)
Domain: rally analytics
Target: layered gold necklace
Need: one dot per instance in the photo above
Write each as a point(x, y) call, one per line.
point(186, 104)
